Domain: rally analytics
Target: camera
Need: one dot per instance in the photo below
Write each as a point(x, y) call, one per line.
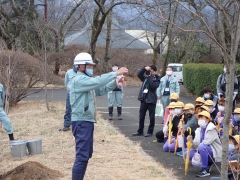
point(148, 73)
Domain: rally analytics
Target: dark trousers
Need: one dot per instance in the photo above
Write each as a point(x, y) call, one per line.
point(142, 113)
point(234, 104)
point(83, 133)
point(160, 136)
point(67, 116)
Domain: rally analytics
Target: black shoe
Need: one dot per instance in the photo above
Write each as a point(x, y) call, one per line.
point(148, 135)
point(203, 173)
point(137, 134)
point(110, 110)
point(65, 128)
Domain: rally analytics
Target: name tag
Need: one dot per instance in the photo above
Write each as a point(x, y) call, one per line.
point(145, 91)
point(166, 89)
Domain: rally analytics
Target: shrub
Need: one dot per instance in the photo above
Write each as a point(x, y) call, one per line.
point(18, 73)
point(197, 76)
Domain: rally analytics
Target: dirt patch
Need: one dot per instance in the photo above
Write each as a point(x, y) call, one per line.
point(31, 170)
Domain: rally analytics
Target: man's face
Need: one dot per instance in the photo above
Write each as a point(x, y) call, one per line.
point(153, 72)
point(82, 67)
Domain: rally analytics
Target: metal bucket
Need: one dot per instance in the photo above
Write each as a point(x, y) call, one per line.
point(34, 146)
point(18, 148)
point(16, 141)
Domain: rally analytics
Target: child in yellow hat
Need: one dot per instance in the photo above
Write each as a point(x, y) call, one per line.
point(160, 134)
point(219, 119)
point(198, 103)
point(212, 109)
point(206, 143)
point(170, 146)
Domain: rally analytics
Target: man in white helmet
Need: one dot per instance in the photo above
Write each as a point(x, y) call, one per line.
point(70, 74)
point(83, 88)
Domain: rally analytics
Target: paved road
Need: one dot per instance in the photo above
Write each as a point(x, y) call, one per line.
point(129, 124)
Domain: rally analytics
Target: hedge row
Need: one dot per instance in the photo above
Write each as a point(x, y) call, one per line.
point(197, 76)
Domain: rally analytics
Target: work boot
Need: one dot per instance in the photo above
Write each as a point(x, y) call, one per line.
point(119, 109)
point(65, 128)
point(110, 110)
point(11, 138)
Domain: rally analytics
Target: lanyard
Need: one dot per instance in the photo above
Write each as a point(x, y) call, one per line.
point(146, 86)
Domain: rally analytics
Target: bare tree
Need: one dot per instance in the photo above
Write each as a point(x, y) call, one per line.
point(64, 25)
point(13, 15)
point(99, 17)
point(108, 40)
point(19, 72)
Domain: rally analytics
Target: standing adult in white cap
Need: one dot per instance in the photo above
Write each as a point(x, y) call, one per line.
point(82, 91)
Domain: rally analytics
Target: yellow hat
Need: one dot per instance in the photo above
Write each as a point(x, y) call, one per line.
point(179, 104)
point(205, 108)
point(174, 96)
point(208, 103)
point(171, 105)
point(236, 137)
point(199, 99)
point(189, 106)
point(204, 113)
point(236, 111)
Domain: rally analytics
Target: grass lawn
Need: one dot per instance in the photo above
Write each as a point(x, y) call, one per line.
point(114, 157)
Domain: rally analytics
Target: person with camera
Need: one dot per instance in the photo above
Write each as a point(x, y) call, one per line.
point(148, 98)
point(168, 85)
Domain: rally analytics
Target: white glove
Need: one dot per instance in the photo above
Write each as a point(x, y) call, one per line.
point(234, 95)
point(219, 95)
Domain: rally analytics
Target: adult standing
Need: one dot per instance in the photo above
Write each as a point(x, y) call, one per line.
point(168, 85)
point(148, 98)
point(3, 116)
point(116, 95)
point(70, 74)
point(221, 86)
point(82, 91)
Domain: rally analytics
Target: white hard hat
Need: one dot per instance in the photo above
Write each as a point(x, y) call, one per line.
point(83, 58)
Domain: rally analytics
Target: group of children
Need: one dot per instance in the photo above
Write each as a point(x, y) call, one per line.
point(200, 123)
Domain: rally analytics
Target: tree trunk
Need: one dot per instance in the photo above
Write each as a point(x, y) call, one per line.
point(166, 59)
point(155, 49)
point(155, 56)
point(45, 78)
point(108, 40)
